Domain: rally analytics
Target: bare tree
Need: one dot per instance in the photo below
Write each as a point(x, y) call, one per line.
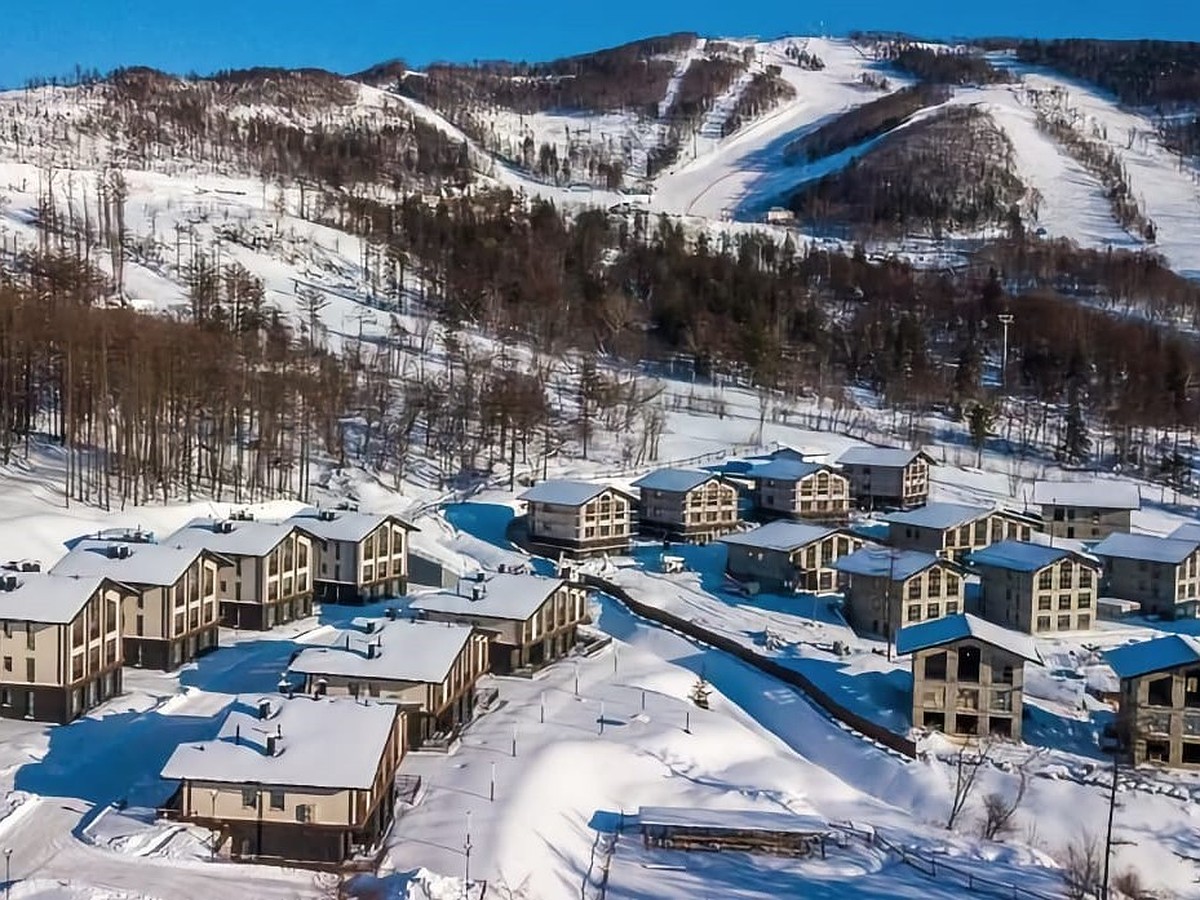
point(967, 763)
point(1081, 861)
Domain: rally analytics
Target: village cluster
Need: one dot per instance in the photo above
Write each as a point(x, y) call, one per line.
point(962, 590)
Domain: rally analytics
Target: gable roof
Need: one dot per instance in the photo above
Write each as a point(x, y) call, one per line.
point(779, 535)
point(247, 537)
point(787, 470)
point(676, 481)
point(407, 650)
point(1148, 547)
point(567, 493)
point(504, 596)
point(48, 597)
point(238, 754)
point(939, 515)
point(345, 525)
point(882, 562)
point(948, 629)
point(1099, 494)
point(1022, 556)
point(884, 457)
point(159, 565)
point(1157, 655)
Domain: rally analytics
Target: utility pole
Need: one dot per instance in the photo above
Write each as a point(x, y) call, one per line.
point(467, 852)
point(1005, 320)
point(1108, 837)
point(887, 599)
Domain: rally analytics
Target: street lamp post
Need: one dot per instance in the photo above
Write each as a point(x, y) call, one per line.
point(7, 873)
point(212, 796)
point(467, 854)
point(1006, 319)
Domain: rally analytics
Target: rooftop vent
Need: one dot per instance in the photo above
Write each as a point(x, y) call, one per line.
point(8, 582)
point(222, 526)
point(30, 565)
point(477, 593)
point(242, 515)
point(392, 613)
point(374, 650)
point(264, 709)
point(274, 744)
point(326, 515)
point(118, 551)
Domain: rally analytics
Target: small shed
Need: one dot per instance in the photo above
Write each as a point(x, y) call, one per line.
point(748, 830)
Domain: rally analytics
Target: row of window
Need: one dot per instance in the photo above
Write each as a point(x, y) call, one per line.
point(1067, 573)
point(1063, 623)
point(932, 611)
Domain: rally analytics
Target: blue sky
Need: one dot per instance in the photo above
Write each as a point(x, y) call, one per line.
point(187, 35)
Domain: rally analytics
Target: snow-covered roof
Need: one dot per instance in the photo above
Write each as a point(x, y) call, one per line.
point(879, 562)
point(503, 596)
point(1188, 531)
point(151, 564)
point(938, 515)
point(730, 820)
point(779, 535)
point(406, 650)
point(1021, 556)
point(342, 524)
point(676, 481)
point(884, 457)
point(948, 629)
point(1098, 494)
point(1145, 657)
point(246, 537)
point(47, 597)
point(566, 493)
point(786, 470)
point(1148, 547)
point(303, 727)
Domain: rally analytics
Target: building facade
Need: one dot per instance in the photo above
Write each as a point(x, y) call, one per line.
point(789, 556)
point(888, 589)
point(953, 531)
point(271, 789)
point(60, 644)
point(1035, 588)
point(579, 518)
point(1161, 574)
point(686, 505)
point(801, 490)
point(1159, 713)
point(360, 556)
point(1086, 510)
point(968, 676)
point(530, 621)
point(882, 477)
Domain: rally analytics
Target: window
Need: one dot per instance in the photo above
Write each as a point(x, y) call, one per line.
point(1002, 701)
point(967, 698)
point(1159, 691)
point(1064, 623)
point(1158, 751)
point(1191, 688)
point(931, 610)
point(249, 797)
point(914, 589)
point(1043, 623)
point(952, 608)
point(1190, 754)
point(934, 720)
point(935, 666)
point(277, 800)
point(1044, 602)
point(1066, 574)
point(951, 585)
point(935, 583)
point(966, 724)
point(914, 613)
point(1085, 577)
point(1001, 726)
point(1005, 675)
point(5, 697)
point(1085, 622)
point(31, 634)
point(8, 664)
point(30, 670)
point(968, 663)
point(1084, 601)
point(1064, 601)
point(304, 812)
point(1045, 580)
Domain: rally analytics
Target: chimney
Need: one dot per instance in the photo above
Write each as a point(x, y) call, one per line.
point(237, 735)
point(370, 626)
point(8, 582)
point(264, 709)
point(322, 684)
point(372, 651)
point(218, 526)
point(31, 566)
point(476, 594)
point(273, 745)
point(481, 576)
point(123, 551)
point(113, 551)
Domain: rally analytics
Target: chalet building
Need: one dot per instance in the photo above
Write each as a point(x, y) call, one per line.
point(968, 675)
point(531, 621)
point(1035, 588)
point(804, 490)
point(579, 517)
point(172, 614)
point(888, 589)
point(1159, 715)
point(1162, 574)
point(953, 530)
point(882, 477)
point(271, 784)
point(428, 668)
point(360, 556)
point(267, 577)
point(60, 644)
point(687, 505)
point(789, 556)
point(1086, 510)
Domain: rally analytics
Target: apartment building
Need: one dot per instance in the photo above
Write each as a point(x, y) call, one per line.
point(579, 517)
point(360, 556)
point(172, 615)
point(530, 621)
point(888, 589)
point(789, 556)
point(1086, 510)
point(954, 530)
point(687, 505)
point(968, 675)
point(267, 577)
point(803, 490)
point(1035, 588)
point(882, 477)
point(428, 668)
point(273, 788)
point(1162, 574)
point(60, 644)
point(1159, 715)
